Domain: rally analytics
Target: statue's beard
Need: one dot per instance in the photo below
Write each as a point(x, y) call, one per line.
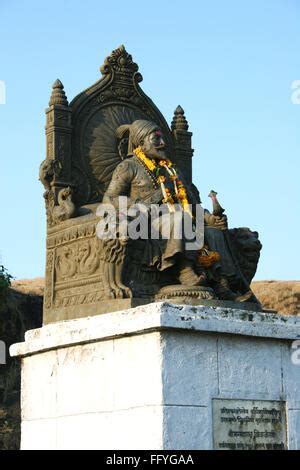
point(158, 153)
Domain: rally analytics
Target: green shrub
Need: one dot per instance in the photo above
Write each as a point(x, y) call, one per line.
point(5, 279)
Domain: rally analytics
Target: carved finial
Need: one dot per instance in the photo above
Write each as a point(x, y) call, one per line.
point(58, 95)
point(179, 121)
point(120, 62)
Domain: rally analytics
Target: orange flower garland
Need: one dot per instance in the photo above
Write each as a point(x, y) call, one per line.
point(149, 163)
point(180, 190)
point(207, 258)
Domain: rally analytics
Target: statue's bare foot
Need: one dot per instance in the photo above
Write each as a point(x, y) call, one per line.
point(188, 277)
point(248, 297)
point(223, 291)
point(202, 279)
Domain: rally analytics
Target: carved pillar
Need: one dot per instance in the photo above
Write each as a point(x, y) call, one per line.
point(58, 138)
point(183, 143)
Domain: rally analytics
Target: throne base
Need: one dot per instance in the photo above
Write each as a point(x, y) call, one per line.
point(171, 297)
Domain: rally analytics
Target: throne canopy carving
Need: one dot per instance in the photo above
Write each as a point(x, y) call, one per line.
point(96, 113)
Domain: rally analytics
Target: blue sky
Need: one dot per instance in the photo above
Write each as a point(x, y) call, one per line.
point(230, 65)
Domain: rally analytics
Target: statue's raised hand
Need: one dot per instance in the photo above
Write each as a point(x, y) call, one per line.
point(216, 221)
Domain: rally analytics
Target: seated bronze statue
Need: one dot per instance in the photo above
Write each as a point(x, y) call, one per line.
point(112, 142)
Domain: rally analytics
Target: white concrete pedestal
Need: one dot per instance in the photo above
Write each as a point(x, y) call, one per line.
point(145, 378)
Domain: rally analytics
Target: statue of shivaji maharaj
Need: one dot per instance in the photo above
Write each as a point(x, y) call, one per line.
point(125, 225)
point(149, 178)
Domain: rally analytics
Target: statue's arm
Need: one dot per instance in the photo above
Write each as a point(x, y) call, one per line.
point(120, 183)
point(215, 221)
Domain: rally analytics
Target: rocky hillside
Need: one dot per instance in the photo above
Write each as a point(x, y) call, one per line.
point(20, 310)
point(282, 296)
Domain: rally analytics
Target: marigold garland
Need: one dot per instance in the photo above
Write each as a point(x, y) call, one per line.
point(149, 163)
point(179, 189)
point(207, 258)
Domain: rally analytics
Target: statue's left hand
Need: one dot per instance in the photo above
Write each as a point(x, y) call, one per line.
point(216, 221)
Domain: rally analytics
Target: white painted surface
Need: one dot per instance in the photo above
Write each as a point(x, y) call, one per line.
point(294, 429)
point(145, 378)
point(249, 366)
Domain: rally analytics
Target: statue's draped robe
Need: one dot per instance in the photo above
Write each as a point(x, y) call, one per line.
point(133, 180)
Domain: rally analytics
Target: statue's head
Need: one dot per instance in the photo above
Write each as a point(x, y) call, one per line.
point(144, 134)
point(153, 145)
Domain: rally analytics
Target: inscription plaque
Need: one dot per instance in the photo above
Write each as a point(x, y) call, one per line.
point(249, 424)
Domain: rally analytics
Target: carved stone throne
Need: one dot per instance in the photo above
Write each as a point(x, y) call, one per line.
point(82, 153)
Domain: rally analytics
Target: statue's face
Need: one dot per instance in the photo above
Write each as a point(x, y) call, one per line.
point(154, 145)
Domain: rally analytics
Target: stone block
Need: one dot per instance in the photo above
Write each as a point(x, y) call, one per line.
point(249, 367)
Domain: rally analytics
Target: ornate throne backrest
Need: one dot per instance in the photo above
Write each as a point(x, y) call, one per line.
point(81, 135)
